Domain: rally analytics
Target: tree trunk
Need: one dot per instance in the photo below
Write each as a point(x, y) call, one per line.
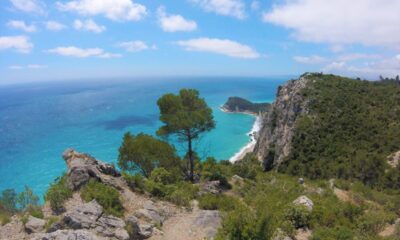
point(191, 161)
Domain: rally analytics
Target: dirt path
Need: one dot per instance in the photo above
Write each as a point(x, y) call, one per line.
point(194, 225)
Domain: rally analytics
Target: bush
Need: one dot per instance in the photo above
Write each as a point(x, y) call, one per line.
point(340, 233)
point(299, 216)
point(27, 199)
point(342, 184)
point(217, 202)
point(182, 193)
point(243, 224)
point(4, 218)
point(108, 197)
point(161, 175)
point(135, 182)
point(248, 167)
point(58, 193)
point(8, 200)
point(373, 222)
point(155, 189)
point(213, 171)
point(35, 211)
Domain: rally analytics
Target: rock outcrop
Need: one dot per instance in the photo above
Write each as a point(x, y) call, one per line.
point(394, 159)
point(304, 201)
point(34, 225)
point(274, 141)
point(82, 167)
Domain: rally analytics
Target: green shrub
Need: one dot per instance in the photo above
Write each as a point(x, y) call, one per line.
point(340, 233)
point(156, 189)
point(58, 193)
point(182, 193)
point(217, 202)
point(248, 167)
point(298, 215)
point(35, 211)
point(161, 175)
point(108, 197)
point(243, 224)
point(342, 184)
point(4, 218)
point(372, 222)
point(135, 182)
point(27, 199)
point(8, 200)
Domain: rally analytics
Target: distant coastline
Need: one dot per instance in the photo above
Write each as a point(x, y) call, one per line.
point(253, 133)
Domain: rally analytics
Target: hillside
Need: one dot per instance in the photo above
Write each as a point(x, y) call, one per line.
point(237, 104)
point(326, 126)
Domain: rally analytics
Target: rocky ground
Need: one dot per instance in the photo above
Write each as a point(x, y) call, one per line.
point(144, 218)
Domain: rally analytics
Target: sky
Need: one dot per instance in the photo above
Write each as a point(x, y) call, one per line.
point(76, 39)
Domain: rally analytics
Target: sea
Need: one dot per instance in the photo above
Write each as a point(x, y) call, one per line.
point(38, 121)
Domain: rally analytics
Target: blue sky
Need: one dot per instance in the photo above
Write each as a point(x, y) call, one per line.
point(73, 39)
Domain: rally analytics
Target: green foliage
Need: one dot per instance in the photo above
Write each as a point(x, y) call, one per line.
point(212, 171)
point(142, 153)
point(35, 211)
point(161, 175)
point(373, 222)
point(351, 128)
point(108, 197)
point(244, 224)
point(248, 167)
point(27, 199)
point(186, 116)
point(58, 193)
point(299, 216)
point(135, 182)
point(339, 233)
point(217, 202)
point(8, 200)
point(4, 217)
point(182, 193)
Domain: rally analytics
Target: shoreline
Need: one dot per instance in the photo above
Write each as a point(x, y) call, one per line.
point(249, 147)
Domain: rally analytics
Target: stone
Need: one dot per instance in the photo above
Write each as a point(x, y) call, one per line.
point(394, 159)
point(280, 235)
point(300, 181)
point(137, 230)
point(83, 167)
point(121, 234)
point(212, 187)
point(304, 201)
point(210, 221)
point(67, 235)
point(149, 216)
point(34, 225)
point(83, 216)
point(146, 230)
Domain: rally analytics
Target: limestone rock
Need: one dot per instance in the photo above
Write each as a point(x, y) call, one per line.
point(137, 230)
point(212, 187)
point(67, 235)
point(83, 167)
point(150, 214)
point(274, 141)
point(394, 159)
point(280, 235)
point(304, 201)
point(84, 216)
point(34, 225)
point(209, 220)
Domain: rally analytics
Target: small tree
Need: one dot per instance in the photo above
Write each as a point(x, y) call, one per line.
point(187, 116)
point(143, 153)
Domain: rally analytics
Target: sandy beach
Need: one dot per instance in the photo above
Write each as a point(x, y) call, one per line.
point(249, 147)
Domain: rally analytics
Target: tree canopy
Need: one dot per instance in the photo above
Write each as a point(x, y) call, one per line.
point(143, 153)
point(186, 116)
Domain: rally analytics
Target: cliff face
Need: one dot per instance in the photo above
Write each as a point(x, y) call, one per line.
point(274, 142)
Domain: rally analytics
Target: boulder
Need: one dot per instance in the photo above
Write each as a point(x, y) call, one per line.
point(84, 216)
point(34, 225)
point(83, 167)
point(212, 187)
point(150, 213)
point(280, 235)
point(394, 159)
point(137, 230)
point(67, 235)
point(304, 201)
point(300, 180)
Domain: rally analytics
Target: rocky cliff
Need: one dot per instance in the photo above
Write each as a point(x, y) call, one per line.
point(274, 141)
point(237, 104)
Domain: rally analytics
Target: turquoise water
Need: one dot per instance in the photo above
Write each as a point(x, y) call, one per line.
point(38, 121)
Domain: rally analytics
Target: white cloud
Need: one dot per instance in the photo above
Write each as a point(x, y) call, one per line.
point(117, 10)
point(72, 51)
point(31, 6)
point(88, 25)
point(175, 23)
point(233, 8)
point(21, 25)
point(219, 46)
point(135, 46)
point(29, 66)
point(367, 22)
point(54, 26)
point(19, 43)
point(385, 67)
point(357, 56)
point(310, 60)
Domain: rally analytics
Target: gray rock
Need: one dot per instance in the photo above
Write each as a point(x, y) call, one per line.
point(67, 235)
point(212, 187)
point(150, 213)
point(209, 221)
point(83, 167)
point(137, 230)
point(275, 137)
point(300, 180)
point(304, 201)
point(84, 216)
point(121, 234)
point(280, 235)
point(34, 225)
